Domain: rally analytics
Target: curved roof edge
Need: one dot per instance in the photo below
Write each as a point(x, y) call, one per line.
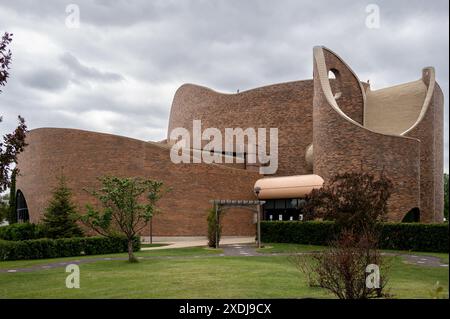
point(363, 90)
point(162, 146)
point(428, 75)
point(87, 131)
point(319, 59)
point(241, 92)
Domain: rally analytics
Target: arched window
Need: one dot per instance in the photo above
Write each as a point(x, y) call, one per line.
point(21, 207)
point(332, 74)
point(335, 82)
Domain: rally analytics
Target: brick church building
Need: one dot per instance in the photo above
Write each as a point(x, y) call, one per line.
point(329, 124)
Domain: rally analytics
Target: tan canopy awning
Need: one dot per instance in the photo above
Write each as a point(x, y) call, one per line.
point(297, 186)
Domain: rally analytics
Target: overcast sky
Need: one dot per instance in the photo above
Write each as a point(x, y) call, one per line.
point(118, 71)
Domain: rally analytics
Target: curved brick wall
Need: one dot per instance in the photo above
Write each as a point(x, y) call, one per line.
point(430, 132)
point(84, 156)
point(341, 145)
point(438, 105)
point(285, 106)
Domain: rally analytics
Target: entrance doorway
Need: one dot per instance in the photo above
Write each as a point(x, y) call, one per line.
point(284, 209)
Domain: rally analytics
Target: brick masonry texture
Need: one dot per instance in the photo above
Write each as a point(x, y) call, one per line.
point(84, 156)
point(412, 162)
point(286, 106)
point(430, 133)
point(303, 115)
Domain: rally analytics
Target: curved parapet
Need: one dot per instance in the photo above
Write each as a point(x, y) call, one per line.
point(429, 82)
point(399, 109)
point(342, 144)
point(84, 156)
point(395, 109)
point(343, 86)
point(286, 106)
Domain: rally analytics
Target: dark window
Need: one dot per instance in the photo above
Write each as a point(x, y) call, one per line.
point(293, 203)
point(280, 204)
point(413, 216)
point(270, 204)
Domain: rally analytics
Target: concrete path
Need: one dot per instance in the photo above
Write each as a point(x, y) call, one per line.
point(429, 261)
point(240, 250)
point(183, 242)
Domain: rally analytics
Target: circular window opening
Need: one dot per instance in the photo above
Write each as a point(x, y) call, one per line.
point(335, 83)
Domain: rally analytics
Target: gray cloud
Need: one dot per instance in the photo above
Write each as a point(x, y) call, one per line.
point(82, 71)
point(46, 79)
point(124, 63)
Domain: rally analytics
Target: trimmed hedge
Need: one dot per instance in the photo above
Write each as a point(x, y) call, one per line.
point(64, 247)
point(401, 236)
point(415, 236)
point(308, 233)
point(22, 231)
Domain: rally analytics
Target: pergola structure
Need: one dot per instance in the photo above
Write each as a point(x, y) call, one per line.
point(221, 205)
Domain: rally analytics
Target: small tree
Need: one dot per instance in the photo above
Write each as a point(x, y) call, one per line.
point(213, 228)
point(12, 212)
point(342, 268)
point(60, 216)
point(13, 144)
point(127, 206)
point(4, 208)
point(356, 201)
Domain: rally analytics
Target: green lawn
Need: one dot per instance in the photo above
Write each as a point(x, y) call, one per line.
point(293, 248)
point(187, 276)
point(192, 251)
